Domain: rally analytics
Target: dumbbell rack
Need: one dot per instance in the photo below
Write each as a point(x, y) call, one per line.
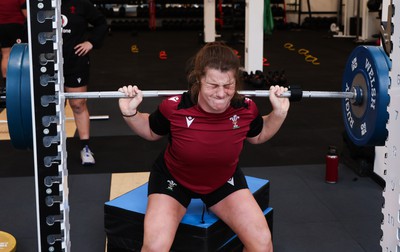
point(50, 155)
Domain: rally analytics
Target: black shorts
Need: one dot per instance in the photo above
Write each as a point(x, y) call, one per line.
point(78, 79)
point(161, 181)
point(11, 34)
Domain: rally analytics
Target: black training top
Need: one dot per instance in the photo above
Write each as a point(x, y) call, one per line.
point(76, 17)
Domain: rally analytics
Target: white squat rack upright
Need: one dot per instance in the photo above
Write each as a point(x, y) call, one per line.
point(254, 32)
point(387, 158)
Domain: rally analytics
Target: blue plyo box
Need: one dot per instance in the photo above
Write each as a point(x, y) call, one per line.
point(124, 218)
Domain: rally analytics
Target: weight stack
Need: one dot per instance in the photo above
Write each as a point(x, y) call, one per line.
point(199, 228)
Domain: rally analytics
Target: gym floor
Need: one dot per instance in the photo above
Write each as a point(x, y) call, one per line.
point(309, 214)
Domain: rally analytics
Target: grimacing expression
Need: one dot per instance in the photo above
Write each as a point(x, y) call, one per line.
point(216, 90)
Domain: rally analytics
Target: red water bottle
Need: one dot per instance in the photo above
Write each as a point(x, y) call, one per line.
point(332, 165)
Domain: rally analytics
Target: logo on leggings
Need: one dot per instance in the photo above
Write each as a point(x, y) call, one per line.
point(231, 181)
point(171, 185)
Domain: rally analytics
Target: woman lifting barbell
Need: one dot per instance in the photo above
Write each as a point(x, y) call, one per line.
point(207, 127)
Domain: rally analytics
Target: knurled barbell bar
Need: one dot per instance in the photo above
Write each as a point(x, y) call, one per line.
point(364, 96)
point(355, 95)
point(252, 93)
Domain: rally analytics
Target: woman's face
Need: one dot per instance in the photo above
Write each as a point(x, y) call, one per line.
point(216, 90)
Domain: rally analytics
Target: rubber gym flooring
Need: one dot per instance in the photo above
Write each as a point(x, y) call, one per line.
point(309, 214)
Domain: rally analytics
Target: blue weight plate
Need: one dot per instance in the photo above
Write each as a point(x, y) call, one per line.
point(26, 107)
point(13, 97)
point(368, 68)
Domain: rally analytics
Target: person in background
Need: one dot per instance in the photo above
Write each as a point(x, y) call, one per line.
point(12, 30)
point(78, 41)
point(206, 127)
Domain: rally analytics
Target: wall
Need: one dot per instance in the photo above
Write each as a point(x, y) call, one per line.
point(316, 6)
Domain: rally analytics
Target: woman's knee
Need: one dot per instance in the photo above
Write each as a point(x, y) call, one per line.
point(153, 241)
point(78, 105)
point(155, 246)
point(262, 242)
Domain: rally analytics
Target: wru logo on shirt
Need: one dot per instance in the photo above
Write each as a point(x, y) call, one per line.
point(171, 185)
point(234, 120)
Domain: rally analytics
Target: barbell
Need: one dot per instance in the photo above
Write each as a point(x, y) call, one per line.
point(252, 93)
point(364, 96)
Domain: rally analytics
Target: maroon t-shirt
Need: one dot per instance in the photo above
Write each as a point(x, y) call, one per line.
point(10, 11)
point(204, 148)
